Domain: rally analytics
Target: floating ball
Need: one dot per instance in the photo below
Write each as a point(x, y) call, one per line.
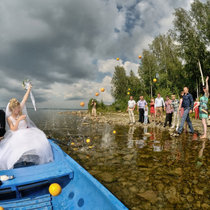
point(140, 57)
point(82, 104)
point(128, 93)
point(154, 80)
point(129, 89)
point(114, 131)
point(97, 94)
point(1, 208)
point(102, 89)
point(72, 143)
point(117, 59)
point(55, 189)
point(88, 140)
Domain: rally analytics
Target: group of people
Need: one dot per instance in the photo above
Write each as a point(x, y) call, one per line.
point(177, 111)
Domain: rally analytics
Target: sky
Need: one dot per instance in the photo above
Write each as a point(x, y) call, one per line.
point(68, 48)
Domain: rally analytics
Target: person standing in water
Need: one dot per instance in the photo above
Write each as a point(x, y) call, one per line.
point(169, 111)
point(140, 108)
point(187, 104)
point(203, 109)
point(175, 105)
point(130, 110)
point(159, 105)
point(93, 111)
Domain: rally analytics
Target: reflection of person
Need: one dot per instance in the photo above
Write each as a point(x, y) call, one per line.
point(175, 105)
point(159, 104)
point(2, 124)
point(130, 109)
point(146, 115)
point(23, 142)
point(140, 108)
point(130, 136)
point(203, 110)
point(169, 111)
point(196, 108)
point(187, 104)
point(93, 111)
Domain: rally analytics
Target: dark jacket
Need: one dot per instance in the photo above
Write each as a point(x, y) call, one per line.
point(2, 123)
point(187, 101)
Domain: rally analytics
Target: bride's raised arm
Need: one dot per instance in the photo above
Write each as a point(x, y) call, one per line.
point(25, 98)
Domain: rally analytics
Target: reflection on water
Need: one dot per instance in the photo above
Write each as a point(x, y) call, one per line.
point(144, 167)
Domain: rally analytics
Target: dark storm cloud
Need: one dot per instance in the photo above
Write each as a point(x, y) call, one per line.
point(60, 41)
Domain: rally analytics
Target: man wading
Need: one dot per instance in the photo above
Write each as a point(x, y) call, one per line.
point(187, 104)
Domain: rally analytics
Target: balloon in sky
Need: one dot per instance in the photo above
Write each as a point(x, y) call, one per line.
point(82, 103)
point(97, 94)
point(154, 80)
point(102, 89)
point(140, 57)
point(128, 93)
point(117, 59)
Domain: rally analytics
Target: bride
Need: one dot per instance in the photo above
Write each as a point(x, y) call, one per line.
point(23, 142)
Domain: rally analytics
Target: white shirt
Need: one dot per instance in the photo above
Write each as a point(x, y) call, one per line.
point(159, 102)
point(131, 104)
point(146, 112)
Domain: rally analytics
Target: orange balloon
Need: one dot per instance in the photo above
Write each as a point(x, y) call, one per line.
point(82, 104)
point(154, 80)
point(140, 57)
point(102, 89)
point(118, 59)
point(97, 94)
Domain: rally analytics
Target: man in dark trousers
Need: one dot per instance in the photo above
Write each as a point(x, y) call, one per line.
point(187, 104)
point(2, 124)
point(140, 108)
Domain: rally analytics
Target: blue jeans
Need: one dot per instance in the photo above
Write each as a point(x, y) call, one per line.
point(186, 117)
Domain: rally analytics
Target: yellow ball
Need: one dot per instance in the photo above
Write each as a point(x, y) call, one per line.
point(118, 59)
point(114, 132)
point(1, 208)
point(102, 89)
point(154, 80)
point(129, 89)
point(82, 104)
point(88, 140)
point(139, 56)
point(55, 189)
point(72, 143)
point(97, 94)
point(128, 93)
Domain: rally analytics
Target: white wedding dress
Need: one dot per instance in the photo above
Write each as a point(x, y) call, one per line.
point(27, 144)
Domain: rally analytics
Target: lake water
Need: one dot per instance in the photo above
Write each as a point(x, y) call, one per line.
point(144, 172)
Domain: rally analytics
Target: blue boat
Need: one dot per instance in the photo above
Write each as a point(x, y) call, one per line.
point(30, 187)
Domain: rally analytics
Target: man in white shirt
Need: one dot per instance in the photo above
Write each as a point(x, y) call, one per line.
point(159, 105)
point(130, 109)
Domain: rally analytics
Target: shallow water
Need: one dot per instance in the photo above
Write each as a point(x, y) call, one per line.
point(144, 172)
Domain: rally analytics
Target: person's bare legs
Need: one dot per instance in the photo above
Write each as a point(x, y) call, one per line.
point(204, 128)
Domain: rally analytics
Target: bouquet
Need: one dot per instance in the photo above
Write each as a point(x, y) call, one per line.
point(26, 83)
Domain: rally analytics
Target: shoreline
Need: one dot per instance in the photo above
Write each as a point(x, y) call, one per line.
point(121, 118)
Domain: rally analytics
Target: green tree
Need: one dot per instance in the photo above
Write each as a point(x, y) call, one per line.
point(119, 84)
